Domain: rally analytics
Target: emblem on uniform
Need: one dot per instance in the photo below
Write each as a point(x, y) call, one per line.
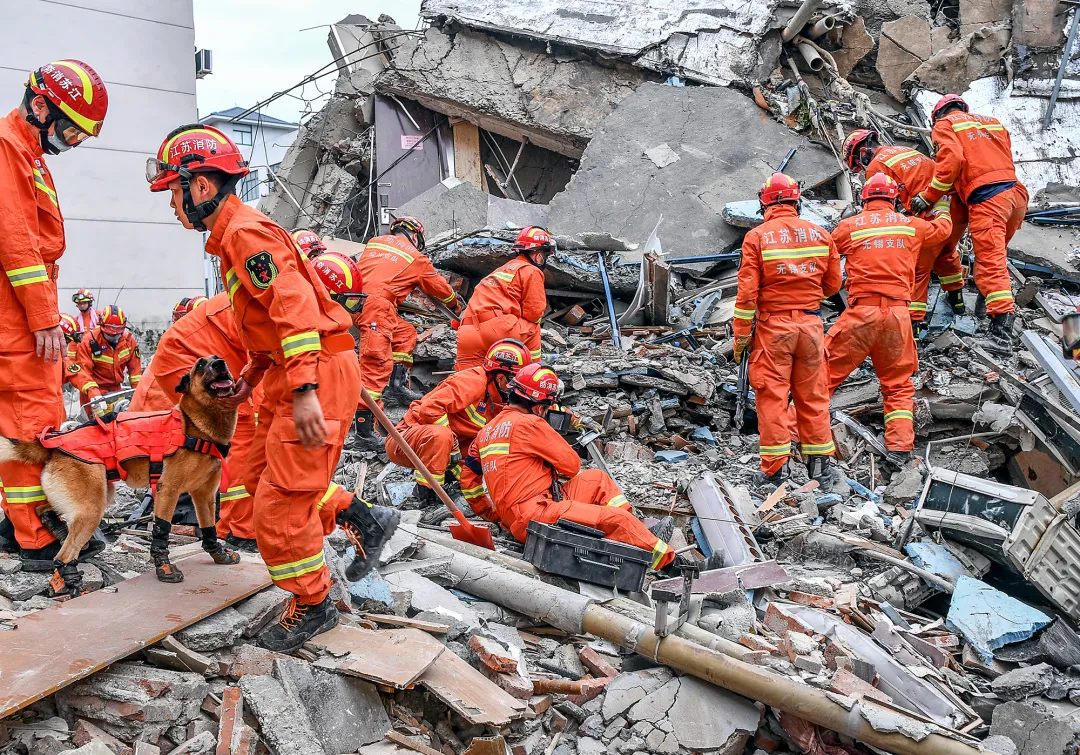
point(74, 368)
point(262, 269)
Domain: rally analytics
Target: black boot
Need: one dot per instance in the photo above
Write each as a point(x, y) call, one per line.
point(159, 552)
point(776, 478)
point(427, 497)
point(818, 468)
point(1001, 335)
point(217, 551)
point(247, 545)
point(66, 580)
point(398, 392)
point(299, 624)
point(364, 437)
point(956, 301)
point(8, 543)
point(368, 528)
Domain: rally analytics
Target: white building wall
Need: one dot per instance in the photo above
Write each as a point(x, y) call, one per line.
point(123, 242)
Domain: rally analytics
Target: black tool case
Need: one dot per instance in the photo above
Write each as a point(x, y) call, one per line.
point(557, 550)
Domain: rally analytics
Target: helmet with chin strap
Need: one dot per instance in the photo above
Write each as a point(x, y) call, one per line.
point(77, 101)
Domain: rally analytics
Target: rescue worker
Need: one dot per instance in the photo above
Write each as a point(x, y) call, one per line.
point(788, 266)
point(311, 246)
point(186, 305)
point(881, 245)
point(509, 303)
point(523, 459)
point(87, 317)
point(72, 336)
point(105, 356)
point(974, 159)
point(301, 353)
point(392, 266)
point(441, 425)
point(912, 171)
point(208, 329)
point(63, 104)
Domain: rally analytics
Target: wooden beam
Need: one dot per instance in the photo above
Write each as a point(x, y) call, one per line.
point(467, 164)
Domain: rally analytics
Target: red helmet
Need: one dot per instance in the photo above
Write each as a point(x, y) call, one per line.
point(536, 383)
point(191, 149)
point(342, 279)
point(854, 144)
point(186, 305)
point(413, 227)
point(309, 242)
point(944, 102)
point(533, 238)
point(880, 186)
point(113, 320)
point(779, 188)
point(508, 355)
point(77, 101)
point(83, 294)
point(68, 325)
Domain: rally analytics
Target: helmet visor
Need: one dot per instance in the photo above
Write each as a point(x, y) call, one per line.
point(113, 330)
point(71, 134)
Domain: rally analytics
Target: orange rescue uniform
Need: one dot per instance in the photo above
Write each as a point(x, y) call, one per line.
point(88, 320)
point(102, 366)
point(882, 246)
point(295, 334)
point(31, 241)
point(975, 151)
point(788, 266)
point(509, 303)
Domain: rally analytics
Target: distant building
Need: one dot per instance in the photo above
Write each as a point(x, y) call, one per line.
point(262, 139)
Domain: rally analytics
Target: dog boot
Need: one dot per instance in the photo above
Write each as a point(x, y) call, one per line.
point(247, 545)
point(368, 528)
point(364, 436)
point(66, 580)
point(299, 624)
point(159, 552)
point(217, 551)
point(398, 392)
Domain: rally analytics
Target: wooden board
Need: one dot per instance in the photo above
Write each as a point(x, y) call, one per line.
point(467, 165)
point(396, 657)
point(471, 694)
point(58, 646)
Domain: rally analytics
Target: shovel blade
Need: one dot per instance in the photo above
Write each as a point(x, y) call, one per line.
point(471, 533)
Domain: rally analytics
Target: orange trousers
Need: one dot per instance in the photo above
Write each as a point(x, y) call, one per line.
point(473, 490)
point(237, 515)
point(289, 481)
point(24, 414)
point(944, 261)
point(384, 339)
point(993, 223)
point(882, 331)
point(434, 444)
point(591, 498)
point(474, 339)
point(787, 361)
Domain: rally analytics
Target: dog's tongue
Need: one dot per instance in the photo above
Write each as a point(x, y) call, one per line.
point(219, 384)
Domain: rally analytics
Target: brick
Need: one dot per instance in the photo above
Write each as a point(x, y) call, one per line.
point(86, 731)
point(756, 657)
point(836, 655)
point(575, 315)
point(590, 690)
point(232, 717)
point(782, 622)
point(807, 599)
point(766, 742)
point(493, 655)
point(598, 665)
point(847, 596)
point(203, 744)
point(513, 684)
point(794, 644)
point(757, 642)
point(251, 659)
point(846, 683)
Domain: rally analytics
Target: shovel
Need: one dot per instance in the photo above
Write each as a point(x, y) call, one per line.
point(464, 530)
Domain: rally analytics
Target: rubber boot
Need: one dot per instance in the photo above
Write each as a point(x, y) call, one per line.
point(818, 467)
point(299, 624)
point(159, 552)
point(364, 436)
point(956, 301)
point(398, 392)
point(1000, 336)
point(8, 543)
point(427, 497)
point(217, 551)
point(368, 528)
point(784, 473)
point(66, 580)
point(245, 544)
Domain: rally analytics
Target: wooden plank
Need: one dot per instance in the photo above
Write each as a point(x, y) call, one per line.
point(402, 621)
point(395, 657)
point(57, 646)
point(471, 694)
point(467, 164)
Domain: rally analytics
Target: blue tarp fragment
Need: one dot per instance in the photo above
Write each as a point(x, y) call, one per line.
point(988, 618)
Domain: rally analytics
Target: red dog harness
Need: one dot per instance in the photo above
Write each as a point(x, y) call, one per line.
point(132, 435)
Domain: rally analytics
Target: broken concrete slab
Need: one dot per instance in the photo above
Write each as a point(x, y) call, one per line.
point(396, 657)
point(972, 57)
point(855, 44)
point(343, 711)
point(23, 585)
point(204, 743)
point(1037, 23)
point(222, 629)
point(988, 618)
point(1024, 682)
point(285, 726)
point(428, 596)
point(469, 693)
point(627, 689)
point(616, 182)
point(1033, 730)
point(403, 542)
point(904, 45)
point(655, 706)
point(451, 205)
point(706, 717)
point(261, 609)
point(93, 747)
point(86, 731)
point(1048, 247)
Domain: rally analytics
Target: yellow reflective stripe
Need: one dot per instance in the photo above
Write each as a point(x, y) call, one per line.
point(658, 552)
point(31, 494)
point(104, 359)
point(296, 568)
point(403, 356)
point(994, 296)
point(474, 416)
point(899, 414)
point(495, 449)
point(940, 185)
point(745, 314)
point(90, 385)
point(507, 277)
point(392, 249)
point(449, 299)
point(889, 230)
point(817, 448)
point(954, 278)
point(123, 353)
point(375, 394)
point(24, 276)
point(903, 156)
point(300, 343)
point(473, 492)
point(442, 421)
point(334, 487)
point(39, 181)
point(235, 493)
point(917, 306)
point(798, 253)
point(966, 125)
point(231, 282)
point(134, 380)
point(419, 477)
point(535, 355)
point(781, 450)
point(619, 500)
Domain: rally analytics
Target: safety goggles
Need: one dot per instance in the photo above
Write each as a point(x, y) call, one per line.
point(158, 169)
point(353, 303)
point(1070, 336)
point(113, 330)
point(68, 132)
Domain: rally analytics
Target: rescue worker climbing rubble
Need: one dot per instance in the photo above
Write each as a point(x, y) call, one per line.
point(973, 158)
point(301, 354)
point(523, 459)
point(87, 317)
point(788, 266)
point(63, 104)
point(881, 246)
point(509, 303)
point(106, 355)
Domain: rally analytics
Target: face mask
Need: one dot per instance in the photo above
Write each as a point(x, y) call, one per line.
point(113, 340)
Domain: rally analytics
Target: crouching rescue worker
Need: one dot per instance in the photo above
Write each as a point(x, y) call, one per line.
point(523, 459)
point(509, 303)
point(443, 423)
point(913, 172)
point(105, 356)
point(788, 266)
point(881, 245)
point(974, 159)
point(301, 353)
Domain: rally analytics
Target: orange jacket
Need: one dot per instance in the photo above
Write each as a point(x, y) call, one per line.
point(391, 267)
point(281, 309)
point(463, 401)
point(102, 365)
point(31, 241)
point(787, 263)
point(971, 151)
point(87, 320)
point(70, 359)
point(882, 246)
point(521, 455)
point(516, 288)
point(912, 170)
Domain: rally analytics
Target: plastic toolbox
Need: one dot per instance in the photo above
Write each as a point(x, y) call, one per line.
point(590, 559)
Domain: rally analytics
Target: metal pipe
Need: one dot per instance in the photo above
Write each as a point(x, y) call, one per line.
point(798, 21)
point(810, 56)
point(610, 301)
point(821, 27)
point(825, 55)
point(1065, 53)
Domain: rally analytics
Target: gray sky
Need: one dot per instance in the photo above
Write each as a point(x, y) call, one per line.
point(259, 49)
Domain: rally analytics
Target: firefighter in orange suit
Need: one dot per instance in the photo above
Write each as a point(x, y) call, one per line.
point(881, 245)
point(912, 171)
point(509, 303)
point(63, 104)
point(300, 351)
point(392, 266)
point(523, 458)
point(87, 318)
point(72, 336)
point(207, 329)
point(105, 356)
point(788, 266)
point(441, 425)
point(974, 159)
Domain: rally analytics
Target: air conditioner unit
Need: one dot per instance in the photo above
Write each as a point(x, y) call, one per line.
point(204, 63)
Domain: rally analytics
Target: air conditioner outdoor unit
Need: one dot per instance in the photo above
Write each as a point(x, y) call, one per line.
point(204, 63)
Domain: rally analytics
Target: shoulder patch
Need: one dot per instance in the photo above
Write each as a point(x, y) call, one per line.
point(138, 355)
point(74, 368)
point(261, 268)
